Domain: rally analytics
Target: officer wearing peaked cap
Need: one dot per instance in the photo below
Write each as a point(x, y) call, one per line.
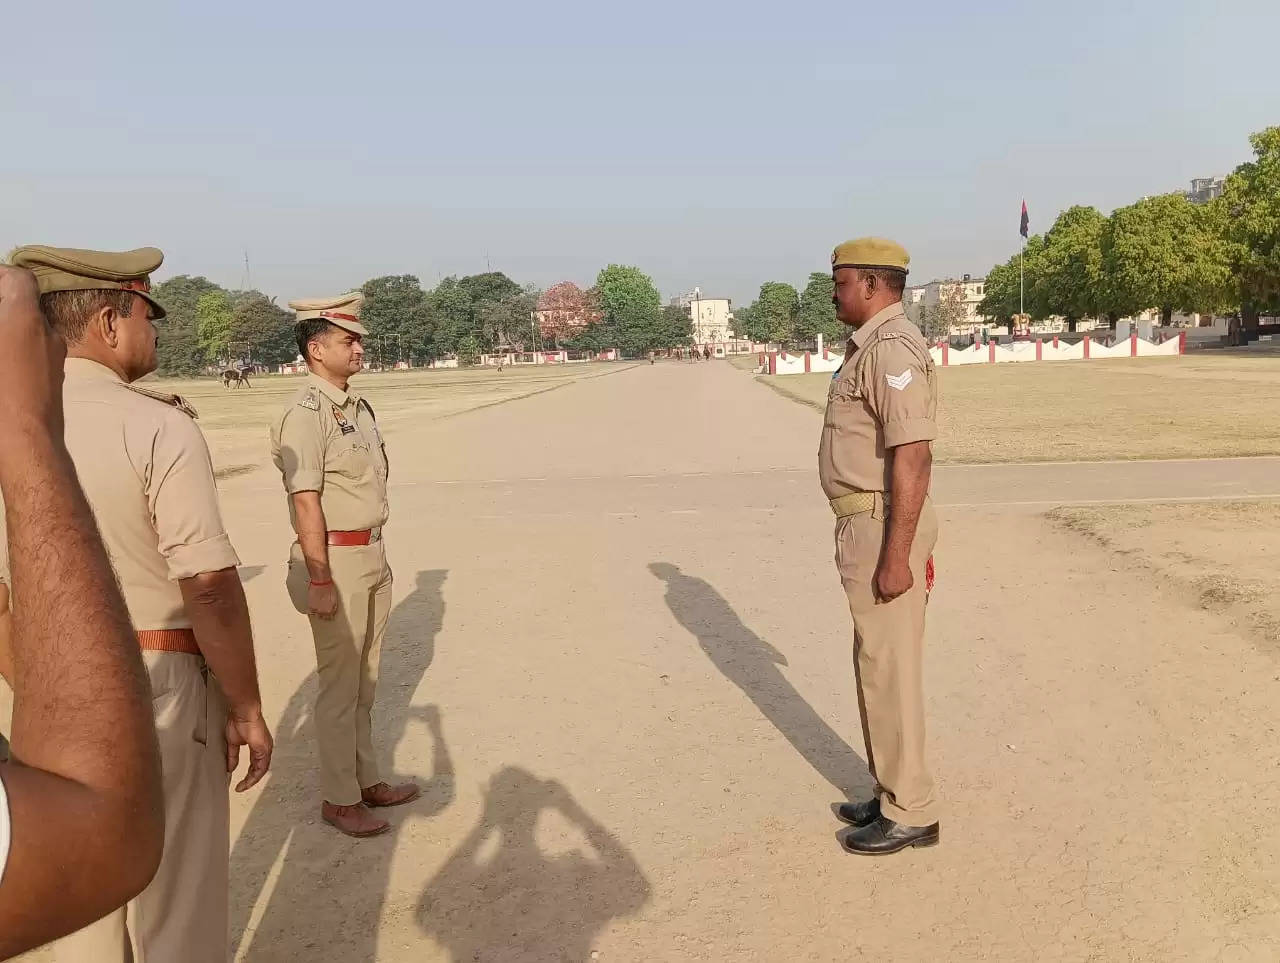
point(145, 469)
point(333, 462)
point(874, 462)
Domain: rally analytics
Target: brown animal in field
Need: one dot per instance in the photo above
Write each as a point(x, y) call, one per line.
point(235, 376)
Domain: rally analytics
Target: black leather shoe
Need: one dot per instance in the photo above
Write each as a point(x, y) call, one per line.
point(884, 836)
point(859, 813)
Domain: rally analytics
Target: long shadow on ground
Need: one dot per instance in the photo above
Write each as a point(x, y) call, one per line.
point(755, 667)
point(327, 891)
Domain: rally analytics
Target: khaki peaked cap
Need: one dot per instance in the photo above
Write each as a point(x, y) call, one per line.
point(342, 311)
point(74, 269)
point(871, 253)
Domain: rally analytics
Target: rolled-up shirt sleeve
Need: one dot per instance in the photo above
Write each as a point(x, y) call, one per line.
point(183, 500)
point(899, 391)
point(301, 452)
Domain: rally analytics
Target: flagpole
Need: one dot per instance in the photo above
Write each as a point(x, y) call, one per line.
point(1022, 257)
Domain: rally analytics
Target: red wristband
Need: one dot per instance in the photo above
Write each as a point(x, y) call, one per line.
point(327, 581)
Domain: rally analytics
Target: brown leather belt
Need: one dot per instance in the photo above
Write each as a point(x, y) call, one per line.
point(168, 640)
point(366, 536)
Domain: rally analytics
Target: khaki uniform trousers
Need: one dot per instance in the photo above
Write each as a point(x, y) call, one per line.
point(182, 914)
point(888, 663)
point(348, 648)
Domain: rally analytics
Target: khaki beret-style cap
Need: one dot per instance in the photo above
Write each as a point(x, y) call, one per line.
point(871, 252)
point(342, 311)
point(72, 269)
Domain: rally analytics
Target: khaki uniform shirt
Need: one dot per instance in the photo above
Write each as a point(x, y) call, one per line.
point(325, 440)
point(884, 395)
point(146, 472)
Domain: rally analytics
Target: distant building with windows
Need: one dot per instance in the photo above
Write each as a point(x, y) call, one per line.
point(1205, 189)
point(929, 296)
point(712, 318)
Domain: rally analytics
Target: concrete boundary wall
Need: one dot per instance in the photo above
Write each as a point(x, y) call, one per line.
point(781, 363)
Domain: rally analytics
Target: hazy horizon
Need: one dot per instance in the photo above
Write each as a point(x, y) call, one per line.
point(710, 145)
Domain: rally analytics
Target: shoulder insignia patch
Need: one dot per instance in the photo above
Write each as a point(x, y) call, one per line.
point(311, 399)
point(899, 382)
point(346, 426)
point(173, 401)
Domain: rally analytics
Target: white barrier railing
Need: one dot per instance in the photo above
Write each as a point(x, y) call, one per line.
point(1087, 349)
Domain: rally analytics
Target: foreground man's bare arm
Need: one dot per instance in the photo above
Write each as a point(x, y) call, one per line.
point(909, 486)
point(87, 817)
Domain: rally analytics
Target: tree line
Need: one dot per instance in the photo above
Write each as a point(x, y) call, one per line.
point(1161, 252)
point(209, 326)
point(1164, 253)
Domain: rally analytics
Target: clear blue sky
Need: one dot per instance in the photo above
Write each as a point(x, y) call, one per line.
point(718, 144)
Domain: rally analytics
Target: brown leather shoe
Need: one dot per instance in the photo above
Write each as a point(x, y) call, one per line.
point(353, 820)
point(385, 795)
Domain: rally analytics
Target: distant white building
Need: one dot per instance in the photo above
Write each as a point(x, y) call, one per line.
point(1205, 189)
point(712, 318)
point(930, 295)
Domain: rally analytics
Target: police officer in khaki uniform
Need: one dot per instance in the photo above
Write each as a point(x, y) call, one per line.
point(874, 463)
point(145, 469)
point(334, 464)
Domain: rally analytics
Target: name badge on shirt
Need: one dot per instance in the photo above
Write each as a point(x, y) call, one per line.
point(346, 426)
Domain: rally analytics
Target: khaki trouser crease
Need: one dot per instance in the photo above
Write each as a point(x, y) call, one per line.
point(348, 650)
point(888, 665)
point(183, 912)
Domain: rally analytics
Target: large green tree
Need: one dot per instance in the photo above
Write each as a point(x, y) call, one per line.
point(1003, 286)
point(1249, 219)
point(677, 327)
point(490, 286)
point(449, 311)
point(397, 313)
point(776, 309)
point(179, 349)
point(1162, 253)
point(816, 314)
point(214, 320)
point(263, 326)
point(1069, 267)
point(631, 308)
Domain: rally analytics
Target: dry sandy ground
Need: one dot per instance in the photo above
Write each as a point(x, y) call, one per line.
point(1224, 555)
point(1207, 404)
point(619, 663)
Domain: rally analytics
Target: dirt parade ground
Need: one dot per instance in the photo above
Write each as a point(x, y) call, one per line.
point(620, 665)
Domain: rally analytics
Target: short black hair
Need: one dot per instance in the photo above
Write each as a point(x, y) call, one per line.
point(69, 311)
point(894, 280)
point(312, 329)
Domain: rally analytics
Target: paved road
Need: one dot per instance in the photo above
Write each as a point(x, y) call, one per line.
point(619, 662)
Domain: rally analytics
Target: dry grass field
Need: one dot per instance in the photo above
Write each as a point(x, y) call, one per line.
point(236, 422)
point(1197, 406)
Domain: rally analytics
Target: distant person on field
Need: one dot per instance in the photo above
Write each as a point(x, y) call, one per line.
point(333, 462)
point(874, 463)
point(146, 472)
point(81, 814)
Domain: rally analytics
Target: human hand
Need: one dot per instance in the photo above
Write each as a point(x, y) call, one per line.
point(248, 728)
point(322, 599)
point(30, 393)
point(893, 578)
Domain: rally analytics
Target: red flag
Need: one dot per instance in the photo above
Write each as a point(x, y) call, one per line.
point(1026, 221)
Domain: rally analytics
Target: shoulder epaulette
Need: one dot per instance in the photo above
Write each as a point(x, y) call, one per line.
point(173, 401)
point(310, 399)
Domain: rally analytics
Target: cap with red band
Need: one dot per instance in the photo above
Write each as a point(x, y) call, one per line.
point(76, 269)
point(342, 311)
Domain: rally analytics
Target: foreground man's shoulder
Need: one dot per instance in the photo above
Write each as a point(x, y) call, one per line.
point(165, 403)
